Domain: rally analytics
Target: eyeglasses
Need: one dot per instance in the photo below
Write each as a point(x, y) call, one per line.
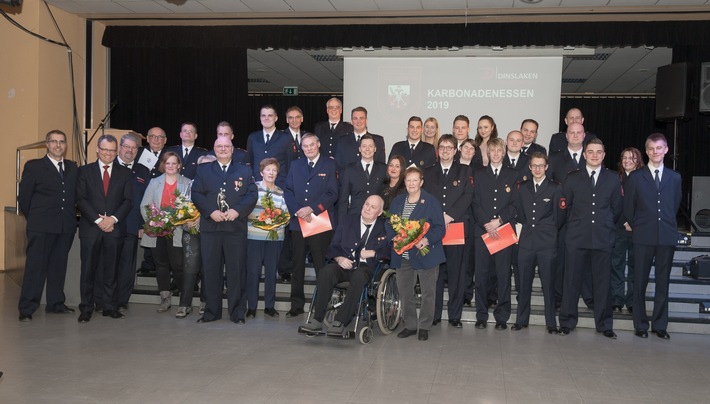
point(126, 147)
point(157, 137)
point(56, 142)
point(223, 147)
point(107, 150)
point(538, 166)
point(447, 148)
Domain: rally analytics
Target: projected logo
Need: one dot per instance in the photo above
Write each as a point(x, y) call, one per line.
point(398, 95)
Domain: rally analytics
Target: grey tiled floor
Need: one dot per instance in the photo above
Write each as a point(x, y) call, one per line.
point(156, 358)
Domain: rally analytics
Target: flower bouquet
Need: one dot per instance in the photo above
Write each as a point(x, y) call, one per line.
point(185, 211)
point(158, 222)
point(409, 233)
point(272, 218)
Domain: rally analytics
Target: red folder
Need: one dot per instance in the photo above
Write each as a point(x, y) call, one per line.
point(319, 224)
point(454, 235)
point(506, 239)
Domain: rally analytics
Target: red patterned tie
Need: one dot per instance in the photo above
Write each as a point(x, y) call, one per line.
point(106, 180)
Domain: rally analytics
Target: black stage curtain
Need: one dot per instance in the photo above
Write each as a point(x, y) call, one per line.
point(627, 33)
point(166, 87)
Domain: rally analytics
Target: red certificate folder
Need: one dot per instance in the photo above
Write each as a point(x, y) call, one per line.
point(507, 238)
point(454, 235)
point(319, 224)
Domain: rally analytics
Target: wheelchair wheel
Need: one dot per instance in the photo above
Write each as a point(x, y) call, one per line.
point(365, 335)
point(389, 311)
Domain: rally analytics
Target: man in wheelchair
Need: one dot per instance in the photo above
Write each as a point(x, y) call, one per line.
point(359, 241)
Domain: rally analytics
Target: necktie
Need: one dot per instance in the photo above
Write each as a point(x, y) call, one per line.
point(512, 162)
point(412, 148)
point(224, 168)
point(156, 153)
point(537, 187)
point(267, 139)
point(310, 165)
point(332, 128)
point(658, 180)
point(367, 170)
point(106, 180)
point(446, 172)
point(361, 245)
point(61, 170)
point(574, 156)
point(525, 149)
point(592, 177)
point(187, 153)
point(358, 138)
point(495, 173)
point(127, 165)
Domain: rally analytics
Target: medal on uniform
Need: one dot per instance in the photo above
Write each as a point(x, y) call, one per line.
point(507, 189)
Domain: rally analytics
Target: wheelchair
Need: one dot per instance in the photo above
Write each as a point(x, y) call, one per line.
point(378, 303)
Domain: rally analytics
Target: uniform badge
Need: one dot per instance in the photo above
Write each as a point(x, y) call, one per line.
point(456, 183)
point(507, 189)
point(525, 177)
point(563, 203)
point(470, 179)
point(238, 184)
point(421, 162)
point(546, 200)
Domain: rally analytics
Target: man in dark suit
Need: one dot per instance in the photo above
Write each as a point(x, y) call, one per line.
point(188, 152)
point(311, 189)
point(514, 157)
point(360, 179)
point(529, 130)
point(294, 118)
point(270, 142)
point(224, 129)
point(225, 193)
point(414, 151)
point(156, 146)
point(126, 271)
point(348, 145)
point(651, 201)
point(451, 184)
point(540, 214)
point(494, 193)
point(46, 198)
point(558, 141)
point(594, 204)
point(330, 131)
point(359, 242)
point(104, 196)
point(563, 163)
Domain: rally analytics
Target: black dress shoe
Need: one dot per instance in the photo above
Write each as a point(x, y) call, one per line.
point(501, 325)
point(122, 307)
point(251, 313)
point(518, 327)
point(456, 323)
point(662, 334)
point(286, 278)
point(467, 302)
point(63, 310)
point(271, 312)
point(436, 322)
point(641, 333)
point(84, 318)
point(294, 312)
point(203, 320)
point(492, 303)
point(552, 331)
point(423, 335)
point(25, 318)
point(239, 321)
point(609, 334)
point(564, 331)
point(406, 333)
point(113, 314)
point(481, 324)
point(616, 308)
